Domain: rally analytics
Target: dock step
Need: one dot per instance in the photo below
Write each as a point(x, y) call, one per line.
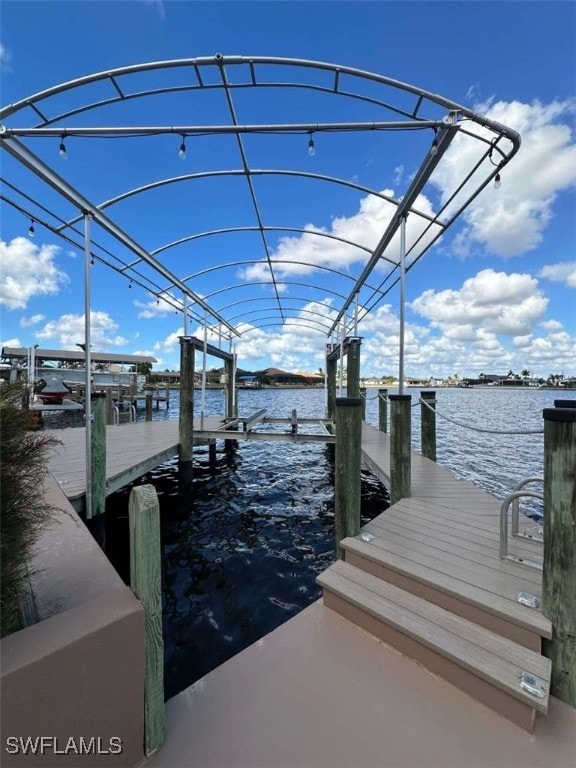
point(483, 593)
point(493, 669)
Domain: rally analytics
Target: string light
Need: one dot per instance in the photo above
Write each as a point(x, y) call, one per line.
point(31, 230)
point(434, 147)
point(311, 148)
point(130, 285)
point(92, 261)
point(182, 150)
point(497, 181)
point(63, 152)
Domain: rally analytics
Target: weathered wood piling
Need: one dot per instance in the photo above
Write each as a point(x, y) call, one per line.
point(186, 416)
point(145, 581)
point(400, 447)
point(428, 424)
point(347, 468)
point(559, 577)
point(383, 410)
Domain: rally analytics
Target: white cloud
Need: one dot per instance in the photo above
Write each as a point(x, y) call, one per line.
point(28, 270)
point(5, 57)
point(68, 330)
point(160, 7)
point(511, 220)
point(490, 301)
point(158, 307)
point(170, 343)
point(365, 227)
point(11, 343)
point(562, 272)
point(26, 322)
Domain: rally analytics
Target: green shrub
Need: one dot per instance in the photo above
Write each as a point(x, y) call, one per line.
point(23, 510)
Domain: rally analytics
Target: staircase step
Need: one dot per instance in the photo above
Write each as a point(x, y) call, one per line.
point(484, 664)
point(481, 593)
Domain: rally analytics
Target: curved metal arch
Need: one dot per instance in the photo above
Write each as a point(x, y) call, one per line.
point(275, 325)
point(269, 282)
point(306, 323)
point(284, 298)
point(272, 309)
point(221, 61)
point(241, 172)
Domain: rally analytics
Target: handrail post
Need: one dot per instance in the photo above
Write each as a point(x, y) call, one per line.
point(186, 421)
point(428, 424)
point(145, 581)
point(347, 469)
point(559, 577)
point(400, 445)
point(383, 410)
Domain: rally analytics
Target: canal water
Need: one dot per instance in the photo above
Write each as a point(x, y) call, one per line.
point(243, 546)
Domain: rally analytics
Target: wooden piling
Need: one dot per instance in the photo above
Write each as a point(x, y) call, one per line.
point(109, 406)
point(383, 410)
point(145, 581)
point(347, 469)
point(559, 577)
point(353, 367)
point(229, 371)
point(186, 423)
point(212, 455)
point(400, 456)
point(331, 366)
point(98, 445)
point(132, 391)
point(428, 424)
point(363, 396)
point(149, 394)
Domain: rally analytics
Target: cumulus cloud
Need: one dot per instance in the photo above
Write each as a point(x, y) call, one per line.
point(68, 330)
point(15, 342)
point(562, 272)
point(511, 220)
point(28, 270)
point(26, 322)
point(158, 307)
point(159, 6)
point(490, 301)
point(5, 57)
point(365, 228)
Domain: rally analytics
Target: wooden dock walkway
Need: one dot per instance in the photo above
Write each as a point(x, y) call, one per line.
point(131, 451)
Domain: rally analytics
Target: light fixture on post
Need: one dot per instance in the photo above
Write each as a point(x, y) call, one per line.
point(182, 150)
point(311, 148)
point(434, 147)
point(31, 229)
point(63, 152)
point(497, 181)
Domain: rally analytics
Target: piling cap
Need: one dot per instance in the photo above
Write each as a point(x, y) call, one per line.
point(400, 397)
point(565, 403)
point(559, 414)
point(97, 395)
point(348, 401)
point(429, 394)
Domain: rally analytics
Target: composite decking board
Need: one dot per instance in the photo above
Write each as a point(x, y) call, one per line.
point(474, 633)
point(499, 606)
point(492, 580)
point(434, 539)
point(486, 664)
point(129, 447)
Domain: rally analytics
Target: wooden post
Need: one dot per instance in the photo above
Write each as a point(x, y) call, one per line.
point(428, 424)
point(347, 469)
point(132, 393)
point(331, 366)
point(109, 406)
point(559, 577)
point(400, 456)
point(363, 396)
point(353, 367)
point(229, 371)
point(145, 580)
point(98, 442)
point(383, 410)
point(149, 393)
point(212, 455)
point(186, 423)
point(167, 395)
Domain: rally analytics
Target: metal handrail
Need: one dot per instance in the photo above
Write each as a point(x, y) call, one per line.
point(515, 532)
point(504, 554)
point(131, 415)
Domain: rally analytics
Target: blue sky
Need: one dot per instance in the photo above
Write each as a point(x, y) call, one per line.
point(496, 292)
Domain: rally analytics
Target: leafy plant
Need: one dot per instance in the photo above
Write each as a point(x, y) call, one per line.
point(24, 511)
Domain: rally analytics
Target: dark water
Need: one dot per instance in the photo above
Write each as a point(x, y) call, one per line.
point(242, 547)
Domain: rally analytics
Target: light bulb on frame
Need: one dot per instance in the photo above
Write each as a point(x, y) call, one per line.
point(62, 149)
point(434, 147)
point(31, 230)
point(497, 181)
point(182, 150)
point(311, 148)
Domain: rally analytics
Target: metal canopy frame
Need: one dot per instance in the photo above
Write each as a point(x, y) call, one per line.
point(402, 107)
